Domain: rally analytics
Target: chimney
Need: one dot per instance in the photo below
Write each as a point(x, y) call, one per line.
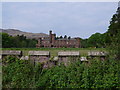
point(50, 32)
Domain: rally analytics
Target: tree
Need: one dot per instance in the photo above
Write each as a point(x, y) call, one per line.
point(61, 37)
point(96, 40)
point(6, 40)
point(65, 36)
point(69, 37)
point(57, 38)
point(114, 34)
point(84, 43)
point(17, 41)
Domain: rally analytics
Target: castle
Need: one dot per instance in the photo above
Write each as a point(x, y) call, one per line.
point(52, 41)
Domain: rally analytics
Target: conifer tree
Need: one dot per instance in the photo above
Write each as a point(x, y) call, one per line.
point(114, 34)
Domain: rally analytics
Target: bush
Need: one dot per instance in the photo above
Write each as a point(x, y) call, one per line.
point(96, 74)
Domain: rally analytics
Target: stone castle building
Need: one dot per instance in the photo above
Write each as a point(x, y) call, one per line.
point(52, 41)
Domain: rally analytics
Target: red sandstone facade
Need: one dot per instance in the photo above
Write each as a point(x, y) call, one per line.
point(51, 41)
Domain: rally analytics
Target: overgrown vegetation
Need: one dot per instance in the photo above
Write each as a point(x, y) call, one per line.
point(96, 40)
point(114, 34)
point(96, 74)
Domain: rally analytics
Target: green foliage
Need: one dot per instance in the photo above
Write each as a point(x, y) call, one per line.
point(60, 37)
point(8, 60)
point(114, 35)
point(95, 40)
point(69, 37)
point(6, 41)
point(95, 74)
point(65, 36)
point(109, 39)
point(19, 74)
point(17, 41)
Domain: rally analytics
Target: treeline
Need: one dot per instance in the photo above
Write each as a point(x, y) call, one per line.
point(17, 41)
point(96, 40)
point(61, 37)
point(96, 74)
point(110, 39)
point(20, 41)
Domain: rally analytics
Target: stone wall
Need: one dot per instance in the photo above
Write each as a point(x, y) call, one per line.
point(44, 57)
point(14, 53)
point(39, 57)
point(68, 57)
point(97, 55)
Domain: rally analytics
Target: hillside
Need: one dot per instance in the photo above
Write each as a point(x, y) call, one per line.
point(29, 35)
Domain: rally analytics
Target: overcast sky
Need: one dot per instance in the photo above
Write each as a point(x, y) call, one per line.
point(76, 19)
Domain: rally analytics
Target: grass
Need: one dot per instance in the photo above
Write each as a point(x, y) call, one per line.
point(54, 51)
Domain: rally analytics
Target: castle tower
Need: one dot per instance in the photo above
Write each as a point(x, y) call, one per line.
point(50, 35)
point(53, 38)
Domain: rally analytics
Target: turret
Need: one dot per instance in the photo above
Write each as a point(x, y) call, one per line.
point(50, 35)
point(50, 32)
point(53, 38)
